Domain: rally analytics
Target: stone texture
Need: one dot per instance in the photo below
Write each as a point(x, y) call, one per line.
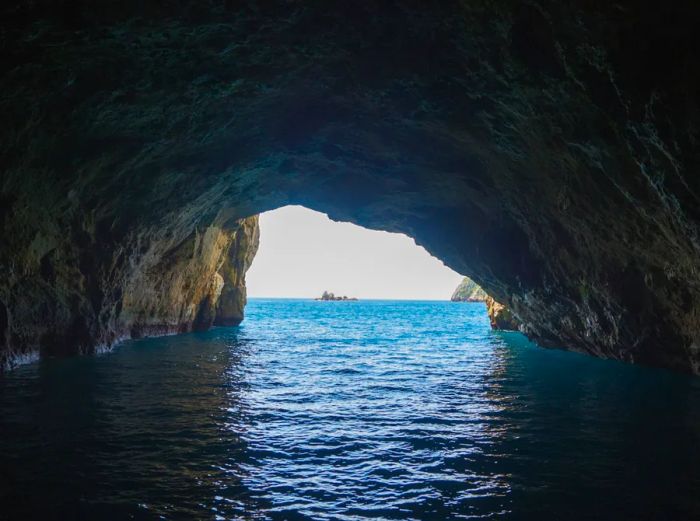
point(546, 149)
point(231, 303)
point(161, 281)
point(500, 316)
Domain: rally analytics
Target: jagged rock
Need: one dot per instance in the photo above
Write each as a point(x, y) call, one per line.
point(161, 281)
point(232, 301)
point(548, 150)
point(331, 296)
point(468, 291)
point(500, 316)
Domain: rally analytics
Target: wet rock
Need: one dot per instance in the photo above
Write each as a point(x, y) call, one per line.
point(500, 316)
point(159, 282)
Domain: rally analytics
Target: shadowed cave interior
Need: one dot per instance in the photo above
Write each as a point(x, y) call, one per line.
point(540, 148)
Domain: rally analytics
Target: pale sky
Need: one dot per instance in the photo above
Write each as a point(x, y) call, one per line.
point(302, 253)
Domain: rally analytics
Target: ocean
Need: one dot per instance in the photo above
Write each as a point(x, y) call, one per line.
point(348, 410)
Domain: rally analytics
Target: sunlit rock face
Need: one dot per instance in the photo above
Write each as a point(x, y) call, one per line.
point(500, 316)
point(468, 291)
point(545, 149)
point(74, 297)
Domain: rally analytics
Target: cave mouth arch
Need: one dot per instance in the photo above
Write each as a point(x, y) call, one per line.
point(148, 269)
point(302, 254)
point(538, 149)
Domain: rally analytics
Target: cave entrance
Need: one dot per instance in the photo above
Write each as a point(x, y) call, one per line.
point(303, 253)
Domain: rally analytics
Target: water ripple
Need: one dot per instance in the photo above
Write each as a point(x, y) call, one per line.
point(345, 411)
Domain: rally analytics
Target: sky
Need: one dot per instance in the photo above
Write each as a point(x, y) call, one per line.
point(303, 253)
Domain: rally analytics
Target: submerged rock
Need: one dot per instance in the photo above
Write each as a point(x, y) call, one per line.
point(545, 149)
point(468, 291)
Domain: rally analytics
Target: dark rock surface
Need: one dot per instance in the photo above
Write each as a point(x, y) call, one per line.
point(333, 297)
point(546, 149)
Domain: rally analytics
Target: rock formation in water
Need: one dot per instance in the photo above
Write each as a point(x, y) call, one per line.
point(500, 316)
point(546, 149)
point(332, 296)
point(468, 291)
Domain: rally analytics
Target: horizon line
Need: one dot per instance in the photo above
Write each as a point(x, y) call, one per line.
point(359, 298)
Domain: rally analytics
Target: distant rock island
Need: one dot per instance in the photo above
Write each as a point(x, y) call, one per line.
point(330, 296)
point(468, 291)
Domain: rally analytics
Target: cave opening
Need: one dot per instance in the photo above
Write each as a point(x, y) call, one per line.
point(302, 253)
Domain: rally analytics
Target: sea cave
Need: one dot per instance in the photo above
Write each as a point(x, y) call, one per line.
point(544, 149)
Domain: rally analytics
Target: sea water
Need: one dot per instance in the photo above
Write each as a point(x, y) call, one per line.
point(348, 410)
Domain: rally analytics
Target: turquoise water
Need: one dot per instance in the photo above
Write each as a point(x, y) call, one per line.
point(348, 410)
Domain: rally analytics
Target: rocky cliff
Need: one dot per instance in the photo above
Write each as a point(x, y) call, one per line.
point(468, 291)
point(69, 296)
point(500, 316)
point(546, 149)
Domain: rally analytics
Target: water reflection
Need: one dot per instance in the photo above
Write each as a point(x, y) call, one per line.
point(384, 425)
point(592, 439)
point(348, 411)
point(143, 432)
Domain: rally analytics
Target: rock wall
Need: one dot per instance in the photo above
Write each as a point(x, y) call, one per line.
point(546, 149)
point(68, 299)
point(500, 316)
point(232, 301)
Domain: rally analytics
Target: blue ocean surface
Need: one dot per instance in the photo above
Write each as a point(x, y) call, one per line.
point(348, 410)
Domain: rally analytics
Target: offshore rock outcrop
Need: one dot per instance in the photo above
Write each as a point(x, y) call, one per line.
point(468, 291)
point(546, 149)
point(333, 297)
